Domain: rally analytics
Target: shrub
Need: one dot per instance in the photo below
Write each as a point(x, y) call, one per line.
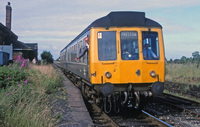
point(24, 102)
point(14, 73)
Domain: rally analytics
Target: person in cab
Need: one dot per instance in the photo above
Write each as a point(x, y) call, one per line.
point(148, 54)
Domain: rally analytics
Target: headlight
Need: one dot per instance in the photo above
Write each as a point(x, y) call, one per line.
point(108, 74)
point(153, 74)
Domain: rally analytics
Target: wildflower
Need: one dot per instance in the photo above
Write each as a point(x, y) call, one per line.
point(8, 78)
point(18, 56)
point(19, 84)
point(26, 81)
point(28, 77)
point(7, 94)
point(29, 84)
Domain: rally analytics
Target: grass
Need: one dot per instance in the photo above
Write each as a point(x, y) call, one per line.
point(186, 76)
point(183, 96)
point(27, 104)
point(183, 73)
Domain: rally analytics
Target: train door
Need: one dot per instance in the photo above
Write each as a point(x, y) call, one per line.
point(153, 56)
point(104, 66)
point(130, 67)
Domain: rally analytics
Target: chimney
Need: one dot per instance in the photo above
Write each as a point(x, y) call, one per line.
point(8, 16)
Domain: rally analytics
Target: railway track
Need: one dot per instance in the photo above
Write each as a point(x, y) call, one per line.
point(187, 91)
point(188, 106)
point(100, 119)
point(181, 112)
point(144, 119)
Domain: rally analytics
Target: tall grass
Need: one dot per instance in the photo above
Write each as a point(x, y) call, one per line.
point(185, 73)
point(26, 103)
point(50, 79)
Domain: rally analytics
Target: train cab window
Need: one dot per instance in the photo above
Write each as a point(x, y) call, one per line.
point(129, 45)
point(107, 49)
point(150, 45)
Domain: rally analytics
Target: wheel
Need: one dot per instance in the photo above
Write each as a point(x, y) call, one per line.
point(79, 84)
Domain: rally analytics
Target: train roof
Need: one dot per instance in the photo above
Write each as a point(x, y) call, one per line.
point(125, 19)
point(121, 19)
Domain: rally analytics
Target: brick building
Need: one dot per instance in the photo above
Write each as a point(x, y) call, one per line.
point(8, 38)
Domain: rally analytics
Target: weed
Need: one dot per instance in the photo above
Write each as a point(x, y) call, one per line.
point(23, 91)
point(183, 73)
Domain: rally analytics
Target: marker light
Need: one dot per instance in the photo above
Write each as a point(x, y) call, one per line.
point(153, 74)
point(108, 74)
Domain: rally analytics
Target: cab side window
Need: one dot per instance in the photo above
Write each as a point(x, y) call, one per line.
point(107, 49)
point(150, 45)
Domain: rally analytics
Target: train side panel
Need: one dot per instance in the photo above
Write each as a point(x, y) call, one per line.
point(79, 68)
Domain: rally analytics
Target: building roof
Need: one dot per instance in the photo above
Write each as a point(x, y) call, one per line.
point(7, 33)
point(11, 38)
point(18, 45)
point(32, 45)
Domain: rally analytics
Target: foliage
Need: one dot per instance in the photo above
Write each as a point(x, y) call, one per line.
point(58, 59)
point(14, 73)
point(47, 57)
point(183, 73)
point(24, 100)
point(184, 60)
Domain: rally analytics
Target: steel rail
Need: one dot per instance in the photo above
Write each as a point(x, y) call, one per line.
point(157, 121)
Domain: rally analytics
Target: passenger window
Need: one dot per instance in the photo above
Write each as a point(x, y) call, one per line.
point(107, 45)
point(79, 50)
point(150, 45)
point(129, 45)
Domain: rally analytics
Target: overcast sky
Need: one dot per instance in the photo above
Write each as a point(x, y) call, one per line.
point(54, 23)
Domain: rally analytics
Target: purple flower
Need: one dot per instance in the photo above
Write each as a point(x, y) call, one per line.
point(7, 94)
point(19, 84)
point(8, 78)
point(28, 77)
point(29, 84)
point(26, 81)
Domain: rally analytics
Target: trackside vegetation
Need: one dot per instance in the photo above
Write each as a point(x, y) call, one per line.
point(25, 93)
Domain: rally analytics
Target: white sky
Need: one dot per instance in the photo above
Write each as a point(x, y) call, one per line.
point(54, 23)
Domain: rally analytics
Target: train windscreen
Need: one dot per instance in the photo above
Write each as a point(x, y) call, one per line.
point(129, 45)
point(150, 45)
point(107, 49)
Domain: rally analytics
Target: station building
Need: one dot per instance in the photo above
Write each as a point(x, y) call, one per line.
point(9, 41)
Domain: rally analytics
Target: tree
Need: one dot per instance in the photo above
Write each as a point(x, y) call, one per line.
point(47, 56)
point(195, 54)
point(183, 59)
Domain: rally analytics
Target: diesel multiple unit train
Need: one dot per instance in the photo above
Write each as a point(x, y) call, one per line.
point(124, 64)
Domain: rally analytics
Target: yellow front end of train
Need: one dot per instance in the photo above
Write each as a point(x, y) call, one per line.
point(117, 56)
point(122, 64)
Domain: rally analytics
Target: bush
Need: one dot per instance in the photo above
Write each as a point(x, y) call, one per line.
point(24, 102)
point(14, 73)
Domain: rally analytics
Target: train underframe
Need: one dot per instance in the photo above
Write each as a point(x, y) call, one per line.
point(118, 97)
point(124, 97)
